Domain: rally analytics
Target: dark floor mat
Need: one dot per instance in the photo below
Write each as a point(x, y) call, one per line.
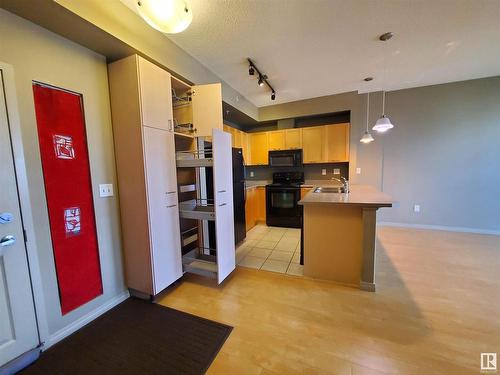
point(137, 337)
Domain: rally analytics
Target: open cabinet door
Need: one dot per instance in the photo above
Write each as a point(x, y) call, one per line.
point(207, 109)
point(223, 200)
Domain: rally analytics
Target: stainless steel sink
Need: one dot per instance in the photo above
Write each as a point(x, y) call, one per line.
point(329, 189)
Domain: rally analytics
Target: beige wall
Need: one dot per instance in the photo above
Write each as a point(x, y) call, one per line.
point(443, 153)
point(37, 54)
point(116, 19)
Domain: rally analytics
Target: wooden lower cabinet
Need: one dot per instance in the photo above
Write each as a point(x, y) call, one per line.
point(261, 204)
point(304, 191)
point(255, 206)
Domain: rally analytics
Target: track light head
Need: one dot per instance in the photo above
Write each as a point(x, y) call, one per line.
point(251, 70)
point(261, 81)
point(273, 95)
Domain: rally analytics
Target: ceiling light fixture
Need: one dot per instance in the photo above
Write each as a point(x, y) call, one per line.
point(383, 124)
point(167, 16)
point(367, 137)
point(262, 78)
point(368, 79)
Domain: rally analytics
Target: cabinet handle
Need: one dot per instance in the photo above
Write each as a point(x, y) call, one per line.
point(170, 127)
point(172, 205)
point(222, 204)
point(221, 191)
point(171, 192)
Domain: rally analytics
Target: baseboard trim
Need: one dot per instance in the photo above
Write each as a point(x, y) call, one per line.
point(77, 324)
point(439, 227)
point(367, 287)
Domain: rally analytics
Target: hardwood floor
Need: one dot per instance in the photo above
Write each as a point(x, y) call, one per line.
point(436, 308)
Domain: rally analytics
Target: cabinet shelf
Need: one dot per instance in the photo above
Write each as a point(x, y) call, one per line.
point(198, 263)
point(197, 209)
point(195, 158)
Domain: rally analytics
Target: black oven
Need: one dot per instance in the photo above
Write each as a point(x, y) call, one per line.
point(285, 158)
point(282, 197)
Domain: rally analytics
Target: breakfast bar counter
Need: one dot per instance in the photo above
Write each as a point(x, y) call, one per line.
point(339, 234)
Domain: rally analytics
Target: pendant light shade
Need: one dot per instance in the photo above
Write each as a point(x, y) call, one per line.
point(167, 16)
point(383, 124)
point(367, 137)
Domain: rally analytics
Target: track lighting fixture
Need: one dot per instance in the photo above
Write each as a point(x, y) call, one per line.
point(262, 78)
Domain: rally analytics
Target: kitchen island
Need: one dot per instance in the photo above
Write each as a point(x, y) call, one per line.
point(339, 234)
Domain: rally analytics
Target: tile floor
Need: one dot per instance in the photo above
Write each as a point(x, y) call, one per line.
point(271, 249)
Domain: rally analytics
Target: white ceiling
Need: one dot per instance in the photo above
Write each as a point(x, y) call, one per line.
point(311, 48)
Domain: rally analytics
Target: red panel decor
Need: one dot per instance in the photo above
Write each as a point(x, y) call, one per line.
point(68, 188)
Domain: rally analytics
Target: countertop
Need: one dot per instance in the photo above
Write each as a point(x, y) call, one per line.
point(360, 195)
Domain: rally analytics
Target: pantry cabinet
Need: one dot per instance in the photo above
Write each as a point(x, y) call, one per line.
point(145, 159)
point(276, 140)
point(312, 144)
point(162, 213)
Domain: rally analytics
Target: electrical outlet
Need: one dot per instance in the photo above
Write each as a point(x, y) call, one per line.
point(106, 190)
point(252, 174)
point(323, 172)
point(336, 171)
point(358, 170)
point(416, 208)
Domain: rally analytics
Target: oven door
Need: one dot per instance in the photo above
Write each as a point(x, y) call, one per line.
point(282, 207)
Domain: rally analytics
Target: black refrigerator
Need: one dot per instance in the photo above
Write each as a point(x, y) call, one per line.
point(239, 195)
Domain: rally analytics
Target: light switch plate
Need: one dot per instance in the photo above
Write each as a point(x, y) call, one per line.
point(323, 172)
point(336, 171)
point(416, 208)
point(251, 174)
point(358, 170)
point(106, 190)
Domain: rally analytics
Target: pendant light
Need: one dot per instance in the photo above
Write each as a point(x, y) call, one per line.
point(384, 123)
point(367, 137)
point(167, 16)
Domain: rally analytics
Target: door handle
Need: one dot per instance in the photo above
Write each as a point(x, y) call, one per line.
point(8, 240)
point(6, 217)
point(170, 192)
point(172, 205)
point(221, 191)
point(170, 125)
point(222, 204)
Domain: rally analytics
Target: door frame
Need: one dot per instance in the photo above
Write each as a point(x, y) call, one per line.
point(14, 124)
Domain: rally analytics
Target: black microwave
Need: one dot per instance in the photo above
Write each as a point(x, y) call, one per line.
point(285, 158)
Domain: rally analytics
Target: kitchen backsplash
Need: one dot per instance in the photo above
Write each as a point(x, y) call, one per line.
point(311, 171)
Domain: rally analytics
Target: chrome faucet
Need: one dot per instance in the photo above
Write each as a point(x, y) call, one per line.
point(343, 181)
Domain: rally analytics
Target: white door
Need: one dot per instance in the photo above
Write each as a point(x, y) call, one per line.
point(18, 329)
point(156, 96)
point(207, 108)
point(224, 215)
point(161, 175)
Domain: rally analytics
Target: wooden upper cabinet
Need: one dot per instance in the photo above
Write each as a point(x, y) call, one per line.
point(259, 148)
point(245, 148)
point(312, 144)
point(276, 140)
point(236, 138)
point(337, 142)
point(207, 108)
point(293, 139)
point(155, 95)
